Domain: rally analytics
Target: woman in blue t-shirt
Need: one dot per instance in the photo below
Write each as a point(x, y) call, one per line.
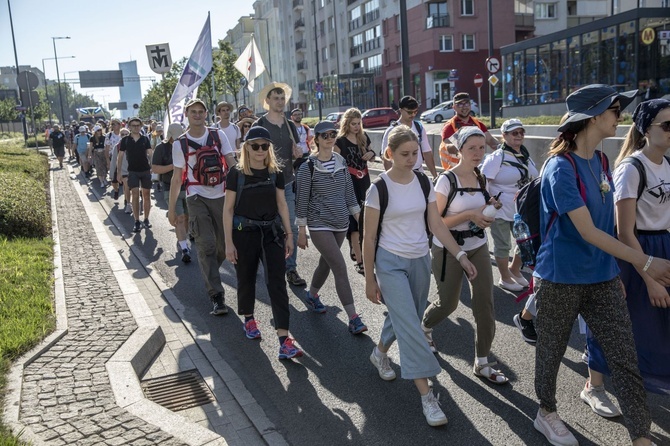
point(576, 271)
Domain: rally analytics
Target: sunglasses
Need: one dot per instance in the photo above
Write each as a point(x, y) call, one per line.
point(515, 133)
point(410, 112)
point(616, 110)
point(665, 126)
point(329, 135)
point(264, 147)
point(246, 126)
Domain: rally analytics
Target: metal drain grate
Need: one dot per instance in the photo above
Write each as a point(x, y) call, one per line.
point(179, 391)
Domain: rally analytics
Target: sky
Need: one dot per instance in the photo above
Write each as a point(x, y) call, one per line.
point(104, 34)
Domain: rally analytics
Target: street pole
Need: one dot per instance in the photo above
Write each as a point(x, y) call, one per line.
point(491, 88)
point(318, 72)
point(16, 60)
point(404, 49)
point(60, 93)
point(46, 91)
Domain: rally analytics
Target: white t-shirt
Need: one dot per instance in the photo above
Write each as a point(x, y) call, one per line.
point(461, 203)
point(403, 227)
point(178, 161)
point(505, 178)
point(653, 207)
point(425, 146)
point(232, 132)
point(302, 134)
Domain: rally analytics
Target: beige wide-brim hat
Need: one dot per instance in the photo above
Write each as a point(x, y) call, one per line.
point(271, 86)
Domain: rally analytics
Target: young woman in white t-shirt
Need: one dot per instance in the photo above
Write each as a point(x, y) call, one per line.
point(643, 221)
point(401, 263)
point(467, 221)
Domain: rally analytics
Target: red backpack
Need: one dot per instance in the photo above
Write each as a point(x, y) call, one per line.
point(210, 166)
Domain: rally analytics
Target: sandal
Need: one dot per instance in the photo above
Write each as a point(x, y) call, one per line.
point(351, 254)
point(359, 269)
point(491, 374)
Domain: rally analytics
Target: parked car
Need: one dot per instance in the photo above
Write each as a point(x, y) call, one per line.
point(335, 118)
point(378, 117)
point(445, 111)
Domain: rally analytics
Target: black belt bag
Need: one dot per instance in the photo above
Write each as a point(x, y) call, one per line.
point(460, 236)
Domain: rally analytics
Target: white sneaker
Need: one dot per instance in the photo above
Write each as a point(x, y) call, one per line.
point(510, 286)
point(428, 333)
point(597, 398)
point(554, 430)
point(431, 410)
point(519, 279)
point(383, 366)
point(129, 209)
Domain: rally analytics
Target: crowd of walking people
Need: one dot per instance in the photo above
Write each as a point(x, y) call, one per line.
point(253, 191)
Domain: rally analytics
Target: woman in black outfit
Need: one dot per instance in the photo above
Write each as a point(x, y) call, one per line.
point(354, 146)
point(255, 214)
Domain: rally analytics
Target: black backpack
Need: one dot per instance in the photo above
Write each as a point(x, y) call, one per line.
point(419, 129)
point(642, 185)
point(528, 200)
point(383, 192)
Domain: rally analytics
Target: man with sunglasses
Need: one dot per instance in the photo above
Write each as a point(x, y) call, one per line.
point(463, 118)
point(284, 139)
point(204, 202)
point(409, 108)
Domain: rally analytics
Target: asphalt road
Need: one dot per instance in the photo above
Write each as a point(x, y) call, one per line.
point(333, 395)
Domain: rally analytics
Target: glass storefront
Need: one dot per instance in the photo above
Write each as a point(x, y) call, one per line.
point(344, 91)
point(628, 50)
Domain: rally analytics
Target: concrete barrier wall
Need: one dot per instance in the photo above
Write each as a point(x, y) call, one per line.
point(537, 141)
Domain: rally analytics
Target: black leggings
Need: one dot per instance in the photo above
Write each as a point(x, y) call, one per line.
point(249, 254)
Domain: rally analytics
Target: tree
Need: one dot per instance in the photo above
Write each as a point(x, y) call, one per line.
point(154, 103)
point(8, 111)
point(226, 77)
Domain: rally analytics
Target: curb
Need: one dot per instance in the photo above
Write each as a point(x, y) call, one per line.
point(140, 349)
point(202, 339)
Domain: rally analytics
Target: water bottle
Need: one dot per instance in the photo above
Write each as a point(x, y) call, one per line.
point(522, 235)
point(489, 211)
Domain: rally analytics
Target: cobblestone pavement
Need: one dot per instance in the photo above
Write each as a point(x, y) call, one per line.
point(66, 396)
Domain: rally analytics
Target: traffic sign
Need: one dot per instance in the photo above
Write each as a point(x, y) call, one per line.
point(492, 65)
point(478, 80)
point(319, 94)
point(318, 86)
point(27, 80)
point(493, 79)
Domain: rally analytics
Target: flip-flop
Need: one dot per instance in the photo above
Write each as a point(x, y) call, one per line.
point(493, 375)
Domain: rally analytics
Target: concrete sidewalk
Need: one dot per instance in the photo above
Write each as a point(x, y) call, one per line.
point(118, 324)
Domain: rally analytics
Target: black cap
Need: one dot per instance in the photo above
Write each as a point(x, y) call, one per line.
point(458, 97)
point(409, 103)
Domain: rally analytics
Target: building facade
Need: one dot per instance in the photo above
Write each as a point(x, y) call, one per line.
point(628, 50)
point(131, 92)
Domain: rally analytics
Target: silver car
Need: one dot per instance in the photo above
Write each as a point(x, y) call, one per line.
point(445, 111)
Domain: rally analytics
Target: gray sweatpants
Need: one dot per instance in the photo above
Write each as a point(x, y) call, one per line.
point(328, 243)
point(205, 221)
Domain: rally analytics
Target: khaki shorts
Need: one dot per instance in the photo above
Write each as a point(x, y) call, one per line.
point(501, 233)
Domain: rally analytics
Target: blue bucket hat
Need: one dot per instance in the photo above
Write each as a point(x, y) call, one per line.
point(646, 112)
point(593, 100)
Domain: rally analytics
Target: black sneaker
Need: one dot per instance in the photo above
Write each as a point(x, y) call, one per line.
point(527, 328)
point(294, 278)
point(186, 255)
point(138, 226)
point(146, 223)
point(218, 305)
point(116, 195)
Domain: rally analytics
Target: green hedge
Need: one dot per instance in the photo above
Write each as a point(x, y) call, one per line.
point(24, 179)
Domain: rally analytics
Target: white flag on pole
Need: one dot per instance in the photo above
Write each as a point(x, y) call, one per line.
point(195, 71)
point(250, 64)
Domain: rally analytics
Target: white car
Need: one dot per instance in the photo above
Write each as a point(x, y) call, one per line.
point(445, 111)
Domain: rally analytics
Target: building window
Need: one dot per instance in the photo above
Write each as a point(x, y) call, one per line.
point(398, 53)
point(331, 23)
point(545, 10)
point(397, 23)
point(467, 7)
point(438, 16)
point(355, 13)
point(446, 43)
point(468, 42)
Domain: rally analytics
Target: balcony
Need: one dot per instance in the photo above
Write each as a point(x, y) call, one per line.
point(301, 46)
point(524, 20)
point(354, 24)
point(356, 50)
point(299, 24)
point(438, 21)
point(371, 16)
point(298, 4)
point(351, 2)
point(302, 87)
point(302, 66)
point(576, 20)
point(372, 44)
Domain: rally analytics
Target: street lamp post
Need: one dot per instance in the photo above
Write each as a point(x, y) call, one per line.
point(46, 91)
point(60, 93)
